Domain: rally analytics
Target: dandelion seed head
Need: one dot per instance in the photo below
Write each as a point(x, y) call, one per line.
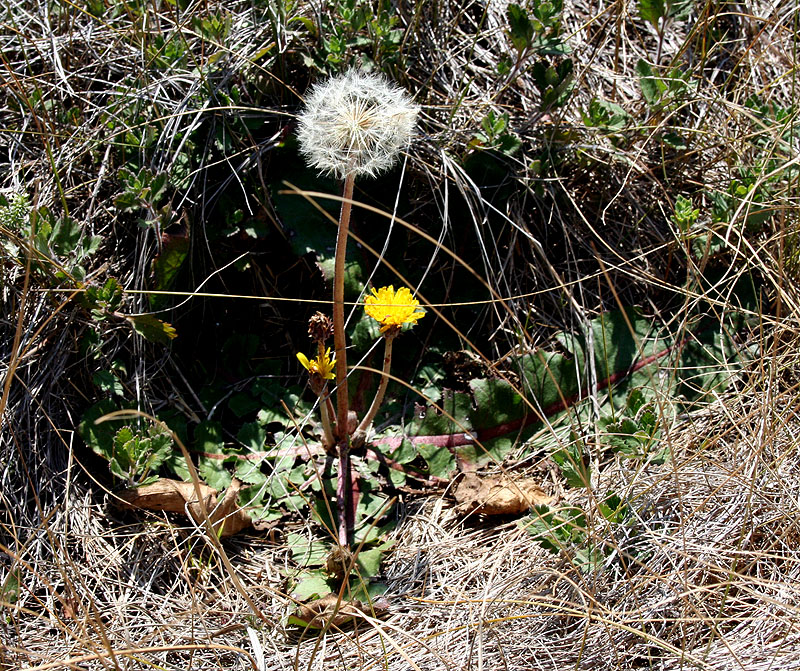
point(355, 123)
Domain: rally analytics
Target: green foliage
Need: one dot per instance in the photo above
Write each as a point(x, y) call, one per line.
point(554, 82)
point(103, 301)
point(567, 531)
point(312, 232)
point(538, 31)
point(521, 29)
point(108, 382)
point(209, 443)
point(166, 51)
point(496, 135)
point(751, 195)
point(354, 30)
point(15, 212)
point(655, 12)
point(684, 216)
point(11, 588)
point(573, 464)
point(564, 531)
point(213, 27)
point(134, 452)
point(143, 191)
point(608, 118)
point(635, 432)
point(167, 264)
point(153, 329)
point(667, 91)
point(137, 454)
point(313, 581)
point(58, 245)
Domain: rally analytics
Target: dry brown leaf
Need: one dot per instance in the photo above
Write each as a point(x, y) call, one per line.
point(499, 495)
point(174, 495)
point(329, 609)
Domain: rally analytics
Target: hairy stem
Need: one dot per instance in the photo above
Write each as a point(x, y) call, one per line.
point(325, 408)
point(344, 496)
point(360, 434)
point(328, 440)
point(344, 485)
point(338, 311)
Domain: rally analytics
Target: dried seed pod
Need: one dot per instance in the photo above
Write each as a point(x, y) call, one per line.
point(320, 327)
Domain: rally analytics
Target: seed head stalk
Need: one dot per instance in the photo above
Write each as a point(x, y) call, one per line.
point(343, 489)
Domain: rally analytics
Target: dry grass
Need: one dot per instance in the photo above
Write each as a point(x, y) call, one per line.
point(706, 574)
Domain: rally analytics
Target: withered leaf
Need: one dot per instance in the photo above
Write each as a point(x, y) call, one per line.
point(174, 495)
point(331, 611)
point(499, 495)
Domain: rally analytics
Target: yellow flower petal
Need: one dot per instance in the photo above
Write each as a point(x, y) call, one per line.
point(321, 365)
point(392, 308)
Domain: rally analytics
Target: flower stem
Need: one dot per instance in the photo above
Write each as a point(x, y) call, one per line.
point(339, 342)
point(344, 484)
point(328, 441)
point(344, 496)
point(360, 434)
point(325, 408)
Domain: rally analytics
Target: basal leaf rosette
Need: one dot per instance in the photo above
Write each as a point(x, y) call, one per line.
point(391, 309)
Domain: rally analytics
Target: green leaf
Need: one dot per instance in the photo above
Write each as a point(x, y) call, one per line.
point(176, 463)
point(208, 439)
point(242, 404)
point(249, 471)
point(127, 202)
point(652, 11)
point(312, 585)
point(614, 509)
point(521, 29)
point(108, 382)
point(100, 437)
point(685, 216)
point(452, 416)
point(65, 236)
point(573, 465)
point(166, 265)
point(252, 436)
point(152, 328)
point(606, 115)
point(441, 461)
point(369, 561)
point(588, 559)
point(136, 452)
point(675, 140)
point(556, 530)
point(12, 586)
point(313, 233)
point(307, 552)
point(369, 506)
point(651, 86)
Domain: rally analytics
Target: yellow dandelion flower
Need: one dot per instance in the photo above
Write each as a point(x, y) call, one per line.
point(392, 308)
point(321, 365)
